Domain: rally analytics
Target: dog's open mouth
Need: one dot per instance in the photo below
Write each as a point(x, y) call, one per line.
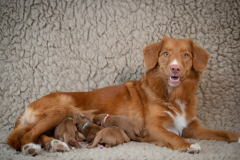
point(174, 80)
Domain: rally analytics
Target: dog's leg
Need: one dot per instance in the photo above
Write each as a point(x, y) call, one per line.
point(14, 137)
point(44, 141)
point(162, 137)
point(70, 140)
point(67, 139)
point(96, 139)
point(31, 149)
point(58, 146)
point(73, 142)
point(135, 137)
point(125, 136)
point(194, 130)
point(78, 137)
point(34, 149)
point(52, 145)
point(41, 127)
point(162, 144)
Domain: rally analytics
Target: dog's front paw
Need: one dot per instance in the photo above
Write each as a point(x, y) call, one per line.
point(194, 148)
point(239, 140)
point(58, 146)
point(31, 149)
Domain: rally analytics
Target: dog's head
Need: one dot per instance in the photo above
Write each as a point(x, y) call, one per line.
point(176, 58)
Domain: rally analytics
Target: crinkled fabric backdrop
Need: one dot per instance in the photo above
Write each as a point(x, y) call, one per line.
point(50, 45)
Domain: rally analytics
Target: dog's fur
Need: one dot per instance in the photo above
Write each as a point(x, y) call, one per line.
point(110, 136)
point(67, 131)
point(123, 122)
point(89, 131)
point(165, 106)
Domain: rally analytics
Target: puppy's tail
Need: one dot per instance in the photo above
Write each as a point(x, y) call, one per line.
point(14, 137)
point(96, 139)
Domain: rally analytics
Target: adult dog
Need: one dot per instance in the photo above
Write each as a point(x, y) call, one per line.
point(163, 102)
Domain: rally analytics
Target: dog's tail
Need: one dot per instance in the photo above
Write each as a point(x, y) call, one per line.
point(13, 139)
point(96, 139)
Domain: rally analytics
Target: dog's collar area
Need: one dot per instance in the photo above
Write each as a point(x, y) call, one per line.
point(70, 118)
point(85, 125)
point(104, 120)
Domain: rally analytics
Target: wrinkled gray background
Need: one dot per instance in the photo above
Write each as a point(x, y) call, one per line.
point(49, 45)
point(84, 45)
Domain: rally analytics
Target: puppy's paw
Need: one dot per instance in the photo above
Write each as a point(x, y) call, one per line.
point(194, 148)
point(101, 146)
point(239, 140)
point(31, 149)
point(58, 146)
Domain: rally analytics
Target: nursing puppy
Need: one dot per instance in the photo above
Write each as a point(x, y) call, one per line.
point(110, 136)
point(89, 130)
point(123, 122)
point(67, 131)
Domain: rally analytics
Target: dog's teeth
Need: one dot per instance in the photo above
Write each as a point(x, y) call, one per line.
point(174, 79)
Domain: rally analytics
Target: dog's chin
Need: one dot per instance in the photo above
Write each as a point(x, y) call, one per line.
point(173, 84)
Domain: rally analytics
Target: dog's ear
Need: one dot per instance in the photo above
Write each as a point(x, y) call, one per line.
point(200, 57)
point(151, 52)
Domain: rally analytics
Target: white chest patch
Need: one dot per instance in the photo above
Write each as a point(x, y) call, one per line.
point(179, 120)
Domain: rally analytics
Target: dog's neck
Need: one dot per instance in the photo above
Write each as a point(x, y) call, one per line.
point(156, 87)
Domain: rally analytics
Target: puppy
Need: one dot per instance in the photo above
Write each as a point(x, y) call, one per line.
point(89, 130)
point(67, 131)
point(110, 136)
point(123, 122)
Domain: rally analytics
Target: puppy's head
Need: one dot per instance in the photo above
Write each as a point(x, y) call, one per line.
point(98, 119)
point(80, 118)
point(176, 58)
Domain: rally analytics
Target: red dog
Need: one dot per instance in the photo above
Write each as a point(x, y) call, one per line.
point(163, 102)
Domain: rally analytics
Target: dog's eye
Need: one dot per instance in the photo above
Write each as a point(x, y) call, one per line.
point(166, 54)
point(186, 55)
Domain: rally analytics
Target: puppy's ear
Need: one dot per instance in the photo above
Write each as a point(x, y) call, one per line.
point(83, 116)
point(200, 57)
point(151, 52)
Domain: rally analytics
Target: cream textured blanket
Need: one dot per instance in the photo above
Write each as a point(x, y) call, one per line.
point(71, 45)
